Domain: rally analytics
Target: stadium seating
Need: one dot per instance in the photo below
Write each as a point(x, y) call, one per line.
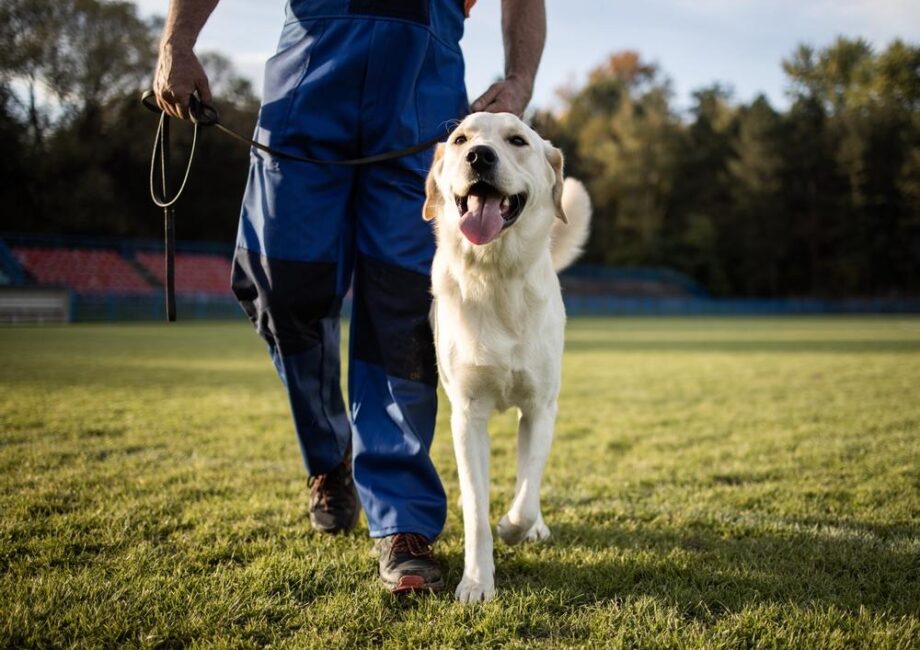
point(196, 273)
point(85, 271)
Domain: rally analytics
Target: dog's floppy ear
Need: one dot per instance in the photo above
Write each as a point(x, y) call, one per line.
point(432, 194)
point(554, 158)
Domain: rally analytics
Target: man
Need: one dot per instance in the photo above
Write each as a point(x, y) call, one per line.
point(354, 78)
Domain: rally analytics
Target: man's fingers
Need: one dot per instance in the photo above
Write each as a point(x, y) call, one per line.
point(204, 90)
point(167, 101)
point(487, 97)
point(174, 103)
point(169, 109)
point(173, 109)
point(504, 103)
point(492, 107)
point(179, 74)
point(481, 103)
point(181, 104)
point(160, 99)
point(501, 97)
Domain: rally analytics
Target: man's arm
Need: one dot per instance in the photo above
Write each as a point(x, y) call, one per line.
point(524, 33)
point(179, 73)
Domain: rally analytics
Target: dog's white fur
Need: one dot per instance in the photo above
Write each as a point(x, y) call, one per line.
point(498, 319)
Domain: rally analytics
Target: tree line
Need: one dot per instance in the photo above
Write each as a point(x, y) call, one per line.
point(821, 198)
point(76, 141)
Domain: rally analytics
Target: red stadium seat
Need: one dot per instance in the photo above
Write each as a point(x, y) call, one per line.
point(82, 270)
point(196, 273)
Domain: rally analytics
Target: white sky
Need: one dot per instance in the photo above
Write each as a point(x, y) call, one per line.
point(696, 42)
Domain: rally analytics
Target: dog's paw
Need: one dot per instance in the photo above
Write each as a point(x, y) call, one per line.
point(538, 533)
point(510, 533)
point(472, 591)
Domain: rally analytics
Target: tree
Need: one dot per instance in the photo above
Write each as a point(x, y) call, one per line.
point(73, 56)
point(858, 215)
point(700, 234)
point(619, 131)
point(759, 221)
point(819, 200)
point(73, 71)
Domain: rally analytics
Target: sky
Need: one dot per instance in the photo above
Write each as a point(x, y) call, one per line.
point(696, 42)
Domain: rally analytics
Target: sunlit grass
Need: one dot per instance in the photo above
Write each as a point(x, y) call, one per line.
point(714, 483)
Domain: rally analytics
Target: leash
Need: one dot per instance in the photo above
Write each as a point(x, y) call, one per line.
point(203, 114)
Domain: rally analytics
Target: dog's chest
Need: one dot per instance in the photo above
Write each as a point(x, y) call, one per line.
point(507, 387)
point(501, 346)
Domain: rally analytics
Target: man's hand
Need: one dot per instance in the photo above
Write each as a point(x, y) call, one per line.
point(523, 33)
point(507, 96)
point(179, 74)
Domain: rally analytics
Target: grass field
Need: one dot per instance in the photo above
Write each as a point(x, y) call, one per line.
point(714, 483)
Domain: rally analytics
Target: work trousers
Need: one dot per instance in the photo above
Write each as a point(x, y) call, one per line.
point(354, 78)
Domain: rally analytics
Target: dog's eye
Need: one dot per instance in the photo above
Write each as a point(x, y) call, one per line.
point(460, 139)
point(517, 141)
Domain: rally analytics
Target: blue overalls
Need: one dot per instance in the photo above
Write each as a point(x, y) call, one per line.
point(354, 78)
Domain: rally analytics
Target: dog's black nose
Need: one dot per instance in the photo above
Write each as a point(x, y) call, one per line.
point(481, 158)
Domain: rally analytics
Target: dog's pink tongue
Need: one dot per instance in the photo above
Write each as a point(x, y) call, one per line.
point(483, 220)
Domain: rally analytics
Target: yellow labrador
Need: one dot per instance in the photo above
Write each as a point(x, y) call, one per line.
point(506, 223)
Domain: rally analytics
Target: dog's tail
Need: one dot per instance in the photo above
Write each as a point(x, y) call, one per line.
point(567, 239)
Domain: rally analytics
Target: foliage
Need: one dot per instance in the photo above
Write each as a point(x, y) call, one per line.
point(818, 200)
point(71, 75)
point(714, 483)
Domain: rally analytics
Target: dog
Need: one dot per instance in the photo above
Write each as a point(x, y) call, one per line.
point(505, 223)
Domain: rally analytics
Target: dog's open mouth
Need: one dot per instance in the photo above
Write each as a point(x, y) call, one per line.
point(485, 212)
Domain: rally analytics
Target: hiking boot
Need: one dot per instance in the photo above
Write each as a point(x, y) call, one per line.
point(334, 503)
point(407, 563)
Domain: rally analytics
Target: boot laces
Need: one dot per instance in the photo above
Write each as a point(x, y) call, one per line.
point(412, 543)
point(318, 489)
point(328, 485)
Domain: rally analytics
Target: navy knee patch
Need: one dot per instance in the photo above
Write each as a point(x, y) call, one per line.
point(414, 10)
point(391, 328)
point(285, 299)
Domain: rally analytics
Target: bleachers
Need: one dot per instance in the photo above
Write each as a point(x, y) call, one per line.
point(85, 271)
point(113, 279)
point(196, 273)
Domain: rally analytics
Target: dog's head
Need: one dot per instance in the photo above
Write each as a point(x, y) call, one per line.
point(493, 177)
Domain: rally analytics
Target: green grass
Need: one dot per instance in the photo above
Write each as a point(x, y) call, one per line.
point(714, 483)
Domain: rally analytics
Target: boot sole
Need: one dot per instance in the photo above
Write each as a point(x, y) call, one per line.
point(413, 584)
point(335, 529)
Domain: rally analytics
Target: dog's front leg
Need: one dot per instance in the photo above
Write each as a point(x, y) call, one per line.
point(524, 520)
point(471, 445)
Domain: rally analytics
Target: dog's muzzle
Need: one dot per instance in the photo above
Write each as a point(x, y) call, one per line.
point(485, 211)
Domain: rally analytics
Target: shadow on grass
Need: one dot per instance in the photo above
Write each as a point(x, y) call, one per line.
point(703, 573)
point(858, 346)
